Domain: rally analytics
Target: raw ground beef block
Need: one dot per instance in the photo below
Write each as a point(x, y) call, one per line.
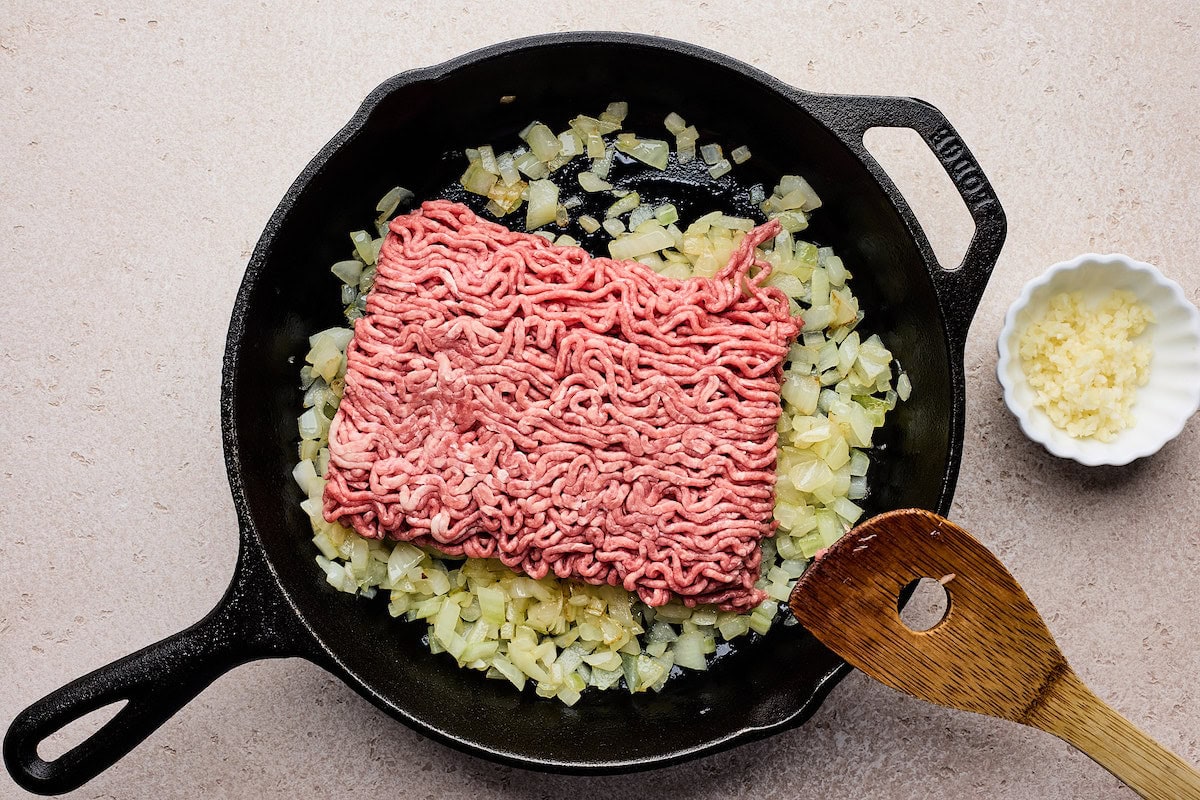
point(508, 398)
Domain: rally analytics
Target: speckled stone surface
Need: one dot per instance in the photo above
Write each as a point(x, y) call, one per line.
point(141, 152)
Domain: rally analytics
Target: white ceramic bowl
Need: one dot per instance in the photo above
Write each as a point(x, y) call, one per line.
point(1163, 405)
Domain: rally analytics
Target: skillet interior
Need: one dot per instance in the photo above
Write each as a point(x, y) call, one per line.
point(289, 293)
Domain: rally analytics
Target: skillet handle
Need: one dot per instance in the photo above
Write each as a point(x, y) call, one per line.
point(959, 288)
point(252, 621)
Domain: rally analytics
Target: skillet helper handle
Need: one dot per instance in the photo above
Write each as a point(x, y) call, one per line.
point(960, 287)
point(1074, 714)
point(251, 622)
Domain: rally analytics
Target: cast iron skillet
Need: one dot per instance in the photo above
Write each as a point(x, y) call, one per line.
point(278, 605)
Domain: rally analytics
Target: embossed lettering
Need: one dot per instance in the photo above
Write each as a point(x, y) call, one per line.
point(947, 146)
point(962, 169)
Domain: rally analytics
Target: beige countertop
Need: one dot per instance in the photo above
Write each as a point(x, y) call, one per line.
point(144, 148)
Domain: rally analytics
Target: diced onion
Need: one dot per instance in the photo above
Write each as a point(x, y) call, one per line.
point(487, 159)
point(642, 213)
point(666, 214)
point(592, 182)
point(639, 244)
point(363, 246)
point(477, 179)
point(674, 123)
point(508, 170)
point(388, 204)
point(349, 271)
point(654, 152)
point(626, 203)
point(543, 204)
point(563, 636)
point(542, 142)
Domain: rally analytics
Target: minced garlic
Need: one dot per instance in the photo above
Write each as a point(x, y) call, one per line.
point(1083, 365)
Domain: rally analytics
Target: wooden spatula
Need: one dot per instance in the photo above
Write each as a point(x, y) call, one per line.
point(991, 653)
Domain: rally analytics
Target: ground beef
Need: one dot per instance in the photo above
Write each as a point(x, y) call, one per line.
point(508, 398)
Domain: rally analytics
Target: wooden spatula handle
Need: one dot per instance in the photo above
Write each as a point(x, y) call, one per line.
point(1070, 711)
point(992, 652)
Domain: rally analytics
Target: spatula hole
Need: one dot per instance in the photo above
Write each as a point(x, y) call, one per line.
point(928, 605)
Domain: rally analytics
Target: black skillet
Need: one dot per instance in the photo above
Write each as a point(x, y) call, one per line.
point(411, 131)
